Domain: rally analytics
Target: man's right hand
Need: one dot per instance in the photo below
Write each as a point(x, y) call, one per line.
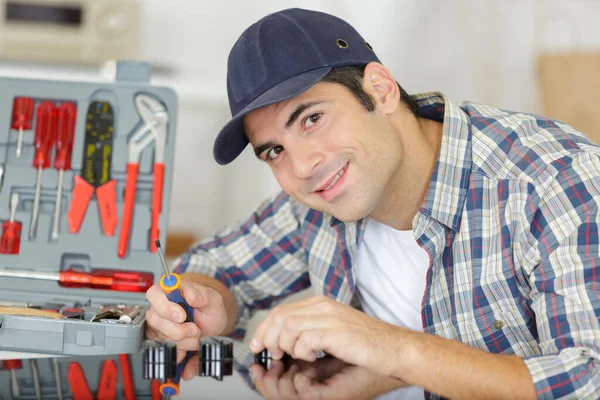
point(165, 319)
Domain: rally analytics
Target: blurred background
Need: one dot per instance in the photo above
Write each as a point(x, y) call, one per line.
point(540, 56)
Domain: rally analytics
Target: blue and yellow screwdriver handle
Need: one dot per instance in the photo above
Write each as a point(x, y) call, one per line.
point(171, 386)
point(170, 284)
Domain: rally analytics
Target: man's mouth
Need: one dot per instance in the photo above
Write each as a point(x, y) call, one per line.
point(329, 184)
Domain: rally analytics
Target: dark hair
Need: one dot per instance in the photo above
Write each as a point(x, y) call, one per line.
point(351, 77)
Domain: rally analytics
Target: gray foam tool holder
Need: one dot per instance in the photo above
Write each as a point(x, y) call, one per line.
point(89, 248)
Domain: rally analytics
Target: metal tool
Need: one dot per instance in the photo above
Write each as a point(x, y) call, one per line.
point(10, 241)
point(1, 176)
point(129, 314)
point(22, 115)
point(107, 279)
point(57, 378)
point(96, 171)
point(45, 131)
point(170, 283)
point(65, 132)
point(36, 378)
point(108, 315)
point(154, 130)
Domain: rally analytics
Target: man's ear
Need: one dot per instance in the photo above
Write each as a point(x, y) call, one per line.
point(381, 85)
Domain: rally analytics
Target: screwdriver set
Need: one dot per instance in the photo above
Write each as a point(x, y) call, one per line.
point(85, 172)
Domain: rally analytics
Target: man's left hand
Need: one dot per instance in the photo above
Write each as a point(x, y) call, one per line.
point(303, 328)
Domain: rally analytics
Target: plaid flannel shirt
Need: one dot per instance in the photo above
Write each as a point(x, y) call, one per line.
point(510, 223)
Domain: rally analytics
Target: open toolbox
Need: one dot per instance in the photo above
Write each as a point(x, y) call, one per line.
point(84, 192)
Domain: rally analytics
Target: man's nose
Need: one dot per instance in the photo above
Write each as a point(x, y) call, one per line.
point(305, 159)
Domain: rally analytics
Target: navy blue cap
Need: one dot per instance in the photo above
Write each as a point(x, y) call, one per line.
point(279, 57)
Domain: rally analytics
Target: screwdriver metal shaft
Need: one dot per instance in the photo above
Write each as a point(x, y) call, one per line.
point(16, 391)
point(57, 206)
point(57, 378)
point(36, 204)
point(36, 379)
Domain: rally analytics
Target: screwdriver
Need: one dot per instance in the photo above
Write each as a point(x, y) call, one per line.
point(170, 283)
point(10, 240)
point(44, 140)
point(13, 366)
point(22, 115)
point(65, 131)
point(36, 378)
point(124, 281)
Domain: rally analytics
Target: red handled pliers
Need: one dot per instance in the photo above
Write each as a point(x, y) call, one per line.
point(155, 120)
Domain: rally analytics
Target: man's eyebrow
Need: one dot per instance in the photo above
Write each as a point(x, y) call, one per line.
point(299, 110)
point(258, 150)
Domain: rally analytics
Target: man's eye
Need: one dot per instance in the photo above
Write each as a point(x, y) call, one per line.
point(274, 152)
point(311, 119)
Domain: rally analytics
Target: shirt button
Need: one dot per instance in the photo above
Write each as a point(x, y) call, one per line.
point(498, 324)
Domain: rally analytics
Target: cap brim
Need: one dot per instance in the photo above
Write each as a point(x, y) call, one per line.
point(232, 140)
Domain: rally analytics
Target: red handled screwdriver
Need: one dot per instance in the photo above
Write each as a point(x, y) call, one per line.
point(22, 115)
point(45, 129)
point(107, 279)
point(65, 131)
point(13, 366)
point(10, 241)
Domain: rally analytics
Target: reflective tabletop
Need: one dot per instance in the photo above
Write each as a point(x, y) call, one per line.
point(220, 369)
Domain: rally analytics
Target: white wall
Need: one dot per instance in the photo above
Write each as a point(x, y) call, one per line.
point(471, 50)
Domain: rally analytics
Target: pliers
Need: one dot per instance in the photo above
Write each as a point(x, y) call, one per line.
point(96, 171)
point(107, 386)
point(155, 120)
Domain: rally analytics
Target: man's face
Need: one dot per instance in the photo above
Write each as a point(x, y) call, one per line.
point(326, 150)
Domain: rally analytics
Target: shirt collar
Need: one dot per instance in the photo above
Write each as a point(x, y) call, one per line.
point(449, 183)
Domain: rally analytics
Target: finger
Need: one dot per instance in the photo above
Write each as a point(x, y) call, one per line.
point(271, 380)
point(257, 373)
point(189, 344)
point(268, 330)
point(192, 368)
point(197, 295)
point(303, 383)
point(287, 390)
point(306, 346)
point(160, 304)
point(330, 366)
point(271, 335)
point(180, 355)
point(171, 330)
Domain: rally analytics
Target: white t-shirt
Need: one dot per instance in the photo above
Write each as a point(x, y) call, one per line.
point(390, 271)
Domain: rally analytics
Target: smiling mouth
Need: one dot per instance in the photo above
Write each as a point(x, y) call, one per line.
point(333, 181)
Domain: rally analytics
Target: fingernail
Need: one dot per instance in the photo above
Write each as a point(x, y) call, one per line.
point(176, 316)
point(254, 345)
point(253, 374)
point(193, 332)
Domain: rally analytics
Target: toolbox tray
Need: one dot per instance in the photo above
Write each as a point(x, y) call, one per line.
point(89, 248)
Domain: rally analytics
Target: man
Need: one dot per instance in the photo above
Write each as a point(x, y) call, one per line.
point(468, 235)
